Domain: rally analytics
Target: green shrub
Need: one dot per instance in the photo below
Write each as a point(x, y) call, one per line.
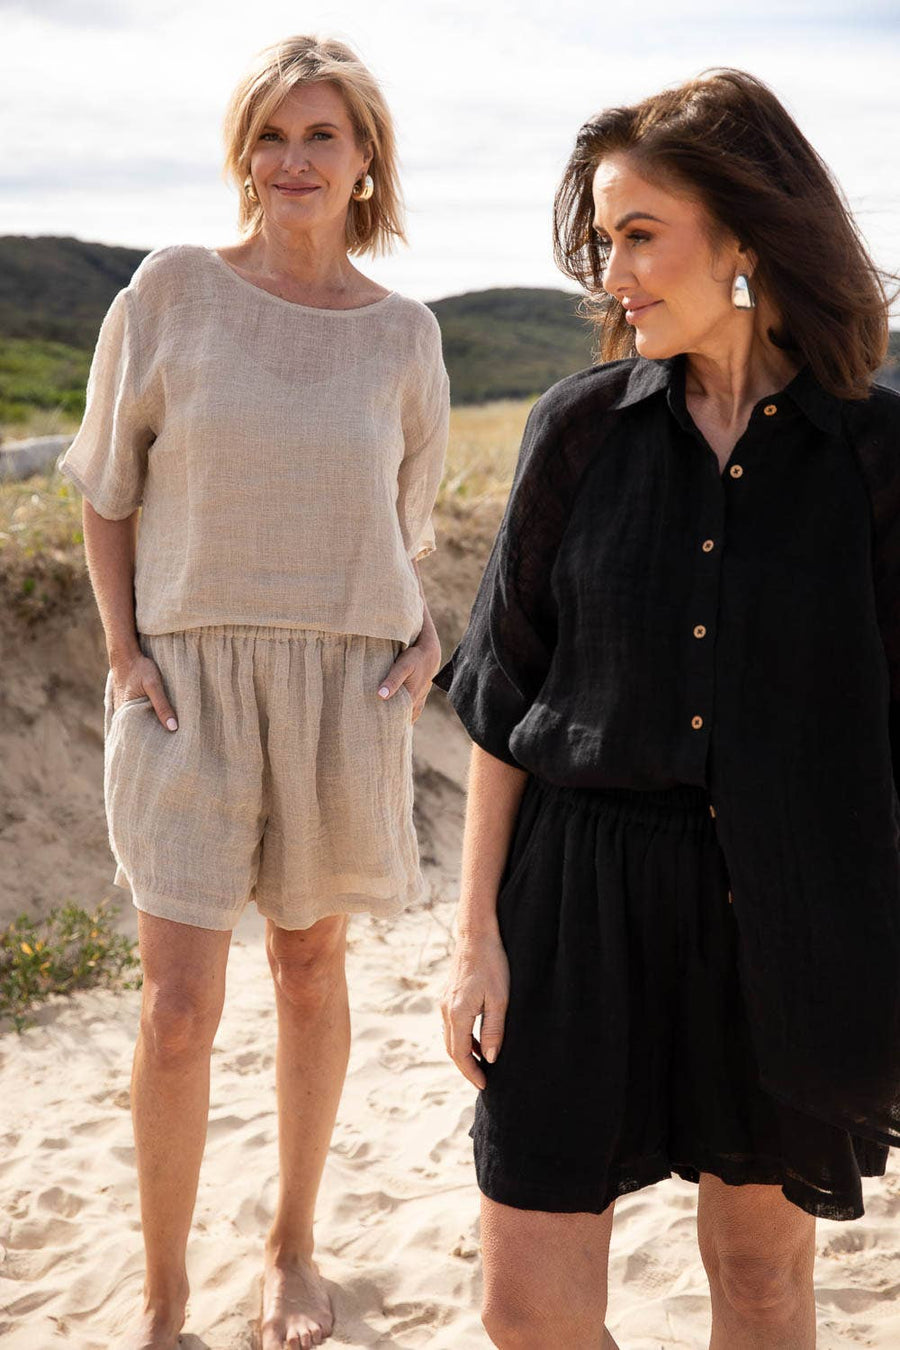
point(69, 949)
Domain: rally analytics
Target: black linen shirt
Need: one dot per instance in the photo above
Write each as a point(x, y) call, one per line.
point(645, 619)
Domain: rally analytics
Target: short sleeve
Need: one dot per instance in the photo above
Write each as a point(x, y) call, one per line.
point(503, 658)
point(107, 460)
point(426, 420)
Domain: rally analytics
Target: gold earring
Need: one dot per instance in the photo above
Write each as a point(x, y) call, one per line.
point(249, 190)
point(363, 189)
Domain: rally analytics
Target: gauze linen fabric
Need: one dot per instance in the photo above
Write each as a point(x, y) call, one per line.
point(646, 620)
point(286, 458)
point(288, 781)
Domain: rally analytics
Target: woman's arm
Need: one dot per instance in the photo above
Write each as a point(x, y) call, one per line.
point(109, 547)
point(478, 984)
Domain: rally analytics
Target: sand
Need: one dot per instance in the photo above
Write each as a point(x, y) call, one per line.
point(397, 1231)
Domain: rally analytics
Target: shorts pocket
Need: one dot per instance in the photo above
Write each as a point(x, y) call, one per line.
point(131, 703)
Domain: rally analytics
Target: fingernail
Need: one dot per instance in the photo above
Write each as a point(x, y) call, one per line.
point(490, 1054)
point(384, 691)
point(172, 724)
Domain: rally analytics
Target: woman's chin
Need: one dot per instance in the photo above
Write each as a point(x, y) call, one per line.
point(653, 346)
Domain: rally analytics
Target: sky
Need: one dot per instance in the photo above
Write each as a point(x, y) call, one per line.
point(111, 111)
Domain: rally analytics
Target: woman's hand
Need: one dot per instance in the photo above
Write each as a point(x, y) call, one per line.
point(140, 676)
point(478, 985)
point(414, 667)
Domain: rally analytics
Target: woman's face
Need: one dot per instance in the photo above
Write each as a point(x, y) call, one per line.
point(306, 160)
point(661, 266)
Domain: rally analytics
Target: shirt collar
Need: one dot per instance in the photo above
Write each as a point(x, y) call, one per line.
point(650, 377)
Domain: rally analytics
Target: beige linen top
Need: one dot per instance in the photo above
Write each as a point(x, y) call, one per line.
point(286, 459)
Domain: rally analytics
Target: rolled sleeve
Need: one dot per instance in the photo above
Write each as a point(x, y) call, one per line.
point(502, 660)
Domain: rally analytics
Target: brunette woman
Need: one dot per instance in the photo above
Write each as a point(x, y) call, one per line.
point(680, 909)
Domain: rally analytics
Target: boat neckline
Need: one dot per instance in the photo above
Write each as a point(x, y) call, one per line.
point(293, 304)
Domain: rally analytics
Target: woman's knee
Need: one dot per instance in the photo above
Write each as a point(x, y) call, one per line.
point(178, 1021)
point(308, 964)
point(763, 1289)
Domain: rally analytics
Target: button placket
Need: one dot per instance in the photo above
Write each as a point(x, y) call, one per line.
point(711, 504)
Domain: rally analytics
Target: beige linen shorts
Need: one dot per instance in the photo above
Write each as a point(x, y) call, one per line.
point(288, 781)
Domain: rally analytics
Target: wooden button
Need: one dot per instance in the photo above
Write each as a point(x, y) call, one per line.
point(712, 810)
point(708, 545)
point(730, 898)
point(699, 631)
point(770, 409)
point(696, 723)
point(736, 471)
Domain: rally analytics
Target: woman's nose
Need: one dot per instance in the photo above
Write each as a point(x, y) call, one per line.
point(615, 279)
point(295, 159)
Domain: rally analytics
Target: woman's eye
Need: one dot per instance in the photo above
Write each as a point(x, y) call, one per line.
point(326, 135)
point(266, 134)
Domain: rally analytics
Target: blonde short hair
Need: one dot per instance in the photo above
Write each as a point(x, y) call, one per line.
point(373, 226)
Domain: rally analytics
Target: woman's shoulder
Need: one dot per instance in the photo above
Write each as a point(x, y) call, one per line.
point(165, 268)
point(605, 388)
point(875, 420)
point(414, 315)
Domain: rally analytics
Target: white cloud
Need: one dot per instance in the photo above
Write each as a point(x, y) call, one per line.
point(111, 128)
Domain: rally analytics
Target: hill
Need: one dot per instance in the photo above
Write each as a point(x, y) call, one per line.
point(505, 343)
point(58, 289)
point(511, 342)
point(502, 343)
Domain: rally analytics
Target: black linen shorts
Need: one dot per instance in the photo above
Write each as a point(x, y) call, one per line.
point(626, 1054)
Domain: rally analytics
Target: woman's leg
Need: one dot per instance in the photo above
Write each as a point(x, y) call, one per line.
point(313, 1048)
point(545, 1278)
point(758, 1249)
point(183, 993)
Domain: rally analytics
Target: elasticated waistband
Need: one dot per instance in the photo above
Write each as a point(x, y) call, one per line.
point(262, 632)
point(681, 799)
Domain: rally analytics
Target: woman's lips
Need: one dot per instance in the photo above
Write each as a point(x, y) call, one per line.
point(635, 312)
point(295, 191)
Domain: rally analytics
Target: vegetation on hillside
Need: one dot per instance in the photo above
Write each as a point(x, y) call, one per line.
point(511, 343)
point(498, 344)
point(40, 379)
point(58, 289)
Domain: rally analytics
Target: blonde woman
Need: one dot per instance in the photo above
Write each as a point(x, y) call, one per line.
point(281, 419)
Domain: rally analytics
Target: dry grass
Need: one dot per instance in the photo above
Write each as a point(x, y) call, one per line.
point(481, 456)
point(39, 422)
point(41, 553)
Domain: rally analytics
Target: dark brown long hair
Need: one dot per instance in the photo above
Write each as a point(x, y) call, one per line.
point(726, 140)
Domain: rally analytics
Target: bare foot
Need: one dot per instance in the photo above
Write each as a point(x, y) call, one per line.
point(157, 1327)
point(295, 1310)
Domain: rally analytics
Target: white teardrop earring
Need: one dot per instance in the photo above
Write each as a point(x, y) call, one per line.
point(742, 293)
